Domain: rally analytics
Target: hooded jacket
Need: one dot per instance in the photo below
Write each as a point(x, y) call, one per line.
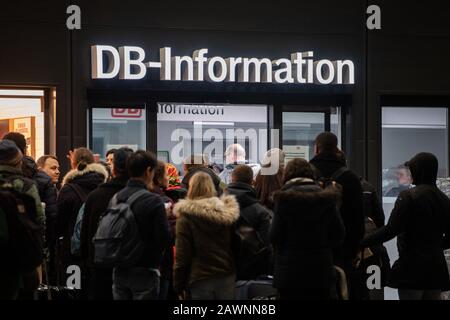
point(255, 215)
point(204, 239)
point(305, 229)
point(68, 202)
point(421, 221)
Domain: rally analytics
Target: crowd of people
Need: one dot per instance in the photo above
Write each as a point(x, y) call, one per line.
point(140, 230)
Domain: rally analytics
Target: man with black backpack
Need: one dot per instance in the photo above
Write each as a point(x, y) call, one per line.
point(100, 279)
point(23, 223)
point(252, 226)
point(330, 164)
point(133, 233)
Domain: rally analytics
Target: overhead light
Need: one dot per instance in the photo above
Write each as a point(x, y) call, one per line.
point(212, 123)
point(9, 92)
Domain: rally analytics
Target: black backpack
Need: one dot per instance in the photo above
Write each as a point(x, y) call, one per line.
point(117, 242)
point(251, 252)
point(24, 245)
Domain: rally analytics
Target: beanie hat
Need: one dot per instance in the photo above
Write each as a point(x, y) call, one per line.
point(10, 154)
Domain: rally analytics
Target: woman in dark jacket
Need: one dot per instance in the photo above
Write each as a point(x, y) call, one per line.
point(421, 220)
point(85, 176)
point(305, 229)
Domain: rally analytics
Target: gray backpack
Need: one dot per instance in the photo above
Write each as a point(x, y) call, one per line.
point(117, 242)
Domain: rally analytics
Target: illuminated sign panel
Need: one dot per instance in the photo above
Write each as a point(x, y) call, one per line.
point(128, 63)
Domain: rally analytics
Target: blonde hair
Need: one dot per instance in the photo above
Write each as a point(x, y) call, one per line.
point(201, 186)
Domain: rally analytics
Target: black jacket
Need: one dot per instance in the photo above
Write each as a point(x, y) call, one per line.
point(96, 204)
point(151, 218)
point(351, 210)
point(420, 218)
point(69, 202)
point(252, 213)
point(372, 204)
point(215, 178)
point(48, 194)
point(305, 229)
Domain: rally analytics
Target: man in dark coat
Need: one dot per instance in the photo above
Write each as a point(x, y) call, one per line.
point(421, 220)
point(327, 161)
point(141, 281)
point(96, 204)
point(253, 214)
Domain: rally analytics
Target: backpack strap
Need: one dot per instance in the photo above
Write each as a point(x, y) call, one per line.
point(339, 172)
point(135, 196)
point(79, 191)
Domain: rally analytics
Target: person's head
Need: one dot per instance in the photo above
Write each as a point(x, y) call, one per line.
point(10, 154)
point(271, 155)
point(109, 159)
point(403, 175)
point(424, 168)
point(201, 186)
point(50, 165)
point(80, 158)
point(141, 165)
point(19, 140)
point(266, 185)
point(234, 153)
point(298, 168)
point(160, 178)
point(242, 173)
point(326, 142)
point(193, 161)
point(119, 167)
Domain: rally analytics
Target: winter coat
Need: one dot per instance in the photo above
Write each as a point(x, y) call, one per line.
point(225, 175)
point(204, 240)
point(96, 204)
point(420, 219)
point(255, 215)
point(351, 210)
point(305, 229)
point(151, 219)
point(47, 192)
point(216, 180)
point(69, 202)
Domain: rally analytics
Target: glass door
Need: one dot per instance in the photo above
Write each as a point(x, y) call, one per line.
point(300, 127)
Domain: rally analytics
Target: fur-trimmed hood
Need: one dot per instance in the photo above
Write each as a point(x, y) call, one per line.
point(90, 168)
point(223, 210)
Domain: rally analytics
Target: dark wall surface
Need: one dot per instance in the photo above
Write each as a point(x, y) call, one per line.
point(407, 57)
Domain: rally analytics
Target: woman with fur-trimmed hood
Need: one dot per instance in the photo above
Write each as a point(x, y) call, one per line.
point(305, 229)
point(204, 264)
point(85, 176)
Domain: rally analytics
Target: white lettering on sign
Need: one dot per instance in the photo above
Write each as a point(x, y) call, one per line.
point(127, 62)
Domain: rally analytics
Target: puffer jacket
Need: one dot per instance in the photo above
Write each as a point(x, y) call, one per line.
point(204, 240)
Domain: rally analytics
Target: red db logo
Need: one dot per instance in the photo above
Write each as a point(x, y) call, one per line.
point(126, 113)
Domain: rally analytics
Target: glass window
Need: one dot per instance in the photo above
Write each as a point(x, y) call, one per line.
point(407, 131)
point(24, 114)
point(191, 128)
point(117, 127)
point(299, 132)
